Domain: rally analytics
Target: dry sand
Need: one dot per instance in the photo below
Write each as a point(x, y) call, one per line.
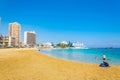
point(28, 64)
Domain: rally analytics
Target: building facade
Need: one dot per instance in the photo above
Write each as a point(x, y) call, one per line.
point(7, 41)
point(11, 42)
point(48, 45)
point(30, 38)
point(14, 31)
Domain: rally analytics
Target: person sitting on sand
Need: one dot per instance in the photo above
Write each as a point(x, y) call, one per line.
point(105, 63)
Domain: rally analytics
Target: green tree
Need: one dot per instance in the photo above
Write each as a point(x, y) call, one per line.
point(6, 44)
point(41, 45)
point(62, 45)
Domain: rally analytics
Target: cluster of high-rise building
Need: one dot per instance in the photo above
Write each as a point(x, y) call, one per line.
point(14, 37)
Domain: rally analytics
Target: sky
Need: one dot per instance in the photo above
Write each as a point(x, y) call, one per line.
point(96, 23)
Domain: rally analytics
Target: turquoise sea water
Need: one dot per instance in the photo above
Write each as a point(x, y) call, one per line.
point(86, 55)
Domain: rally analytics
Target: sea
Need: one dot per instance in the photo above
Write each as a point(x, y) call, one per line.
point(86, 55)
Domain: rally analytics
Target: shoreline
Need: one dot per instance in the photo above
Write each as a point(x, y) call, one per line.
point(48, 52)
point(28, 64)
point(75, 61)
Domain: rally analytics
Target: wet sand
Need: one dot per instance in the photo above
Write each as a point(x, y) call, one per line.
point(28, 64)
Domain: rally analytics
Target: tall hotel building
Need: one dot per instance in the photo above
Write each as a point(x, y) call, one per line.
point(30, 38)
point(14, 31)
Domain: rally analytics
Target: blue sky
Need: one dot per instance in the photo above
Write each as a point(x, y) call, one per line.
point(96, 23)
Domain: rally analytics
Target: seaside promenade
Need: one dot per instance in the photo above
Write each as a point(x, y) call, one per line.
point(28, 64)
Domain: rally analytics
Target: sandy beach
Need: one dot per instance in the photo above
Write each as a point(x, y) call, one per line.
point(28, 64)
